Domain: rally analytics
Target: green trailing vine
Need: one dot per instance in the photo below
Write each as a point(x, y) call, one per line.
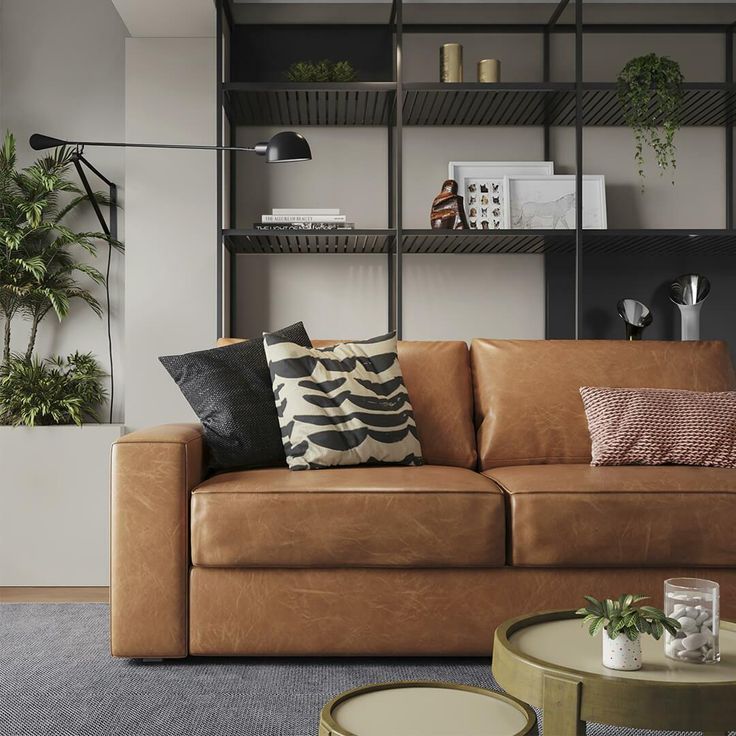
point(321, 71)
point(650, 92)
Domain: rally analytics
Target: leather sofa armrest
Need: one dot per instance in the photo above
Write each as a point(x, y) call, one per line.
point(153, 473)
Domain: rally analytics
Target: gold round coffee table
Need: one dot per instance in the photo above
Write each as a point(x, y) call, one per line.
point(548, 660)
point(425, 708)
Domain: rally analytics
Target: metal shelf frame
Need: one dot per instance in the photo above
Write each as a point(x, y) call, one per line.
point(546, 104)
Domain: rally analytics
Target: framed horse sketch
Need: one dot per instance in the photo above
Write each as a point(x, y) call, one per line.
point(482, 185)
point(548, 202)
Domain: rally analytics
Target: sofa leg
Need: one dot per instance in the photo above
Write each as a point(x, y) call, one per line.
point(150, 660)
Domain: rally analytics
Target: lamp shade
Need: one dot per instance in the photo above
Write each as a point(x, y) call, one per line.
point(288, 146)
point(39, 142)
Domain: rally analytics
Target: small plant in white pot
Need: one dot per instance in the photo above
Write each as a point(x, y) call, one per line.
point(623, 623)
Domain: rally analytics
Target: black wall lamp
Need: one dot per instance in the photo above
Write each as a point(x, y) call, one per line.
point(283, 147)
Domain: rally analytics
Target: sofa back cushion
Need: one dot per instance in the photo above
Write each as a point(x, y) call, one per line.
point(528, 408)
point(437, 378)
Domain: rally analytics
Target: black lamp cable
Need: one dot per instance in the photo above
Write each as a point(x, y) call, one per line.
point(78, 159)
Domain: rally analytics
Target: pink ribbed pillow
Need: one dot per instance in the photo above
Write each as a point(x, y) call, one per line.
point(654, 426)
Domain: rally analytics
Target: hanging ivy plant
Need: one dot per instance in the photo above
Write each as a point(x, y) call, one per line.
point(650, 92)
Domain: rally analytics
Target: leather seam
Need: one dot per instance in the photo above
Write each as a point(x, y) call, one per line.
point(637, 491)
point(173, 443)
point(357, 566)
point(484, 492)
point(546, 460)
point(187, 551)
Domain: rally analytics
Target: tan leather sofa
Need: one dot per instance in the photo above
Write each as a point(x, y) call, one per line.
point(506, 517)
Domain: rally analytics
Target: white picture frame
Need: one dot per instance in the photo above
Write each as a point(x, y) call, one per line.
point(474, 176)
point(548, 202)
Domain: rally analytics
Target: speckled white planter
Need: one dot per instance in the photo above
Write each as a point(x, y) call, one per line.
point(621, 653)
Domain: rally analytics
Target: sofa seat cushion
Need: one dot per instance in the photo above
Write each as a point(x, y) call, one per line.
point(629, 516)
point(429, 516)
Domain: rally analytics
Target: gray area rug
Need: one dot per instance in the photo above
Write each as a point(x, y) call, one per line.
point(57, 678)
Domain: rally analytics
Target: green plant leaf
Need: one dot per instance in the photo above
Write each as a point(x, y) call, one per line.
point(594, 605)
point(596, 626)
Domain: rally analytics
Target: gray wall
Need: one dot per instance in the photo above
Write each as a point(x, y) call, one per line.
point(171, 221)
point(62, 73)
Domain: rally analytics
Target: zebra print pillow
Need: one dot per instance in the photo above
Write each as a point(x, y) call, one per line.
point(342, 405)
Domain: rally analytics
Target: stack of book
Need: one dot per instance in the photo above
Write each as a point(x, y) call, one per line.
point(303, 219)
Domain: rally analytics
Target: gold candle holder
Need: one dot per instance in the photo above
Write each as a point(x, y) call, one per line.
point(451, 62)
point(489, 70)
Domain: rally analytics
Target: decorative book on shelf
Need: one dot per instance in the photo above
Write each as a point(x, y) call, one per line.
point(303, 219)
point(303, 226)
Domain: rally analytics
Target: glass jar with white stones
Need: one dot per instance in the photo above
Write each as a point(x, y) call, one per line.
point(694, 603)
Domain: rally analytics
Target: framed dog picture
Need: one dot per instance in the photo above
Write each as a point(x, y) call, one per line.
point(548, 202)
point(482, 185)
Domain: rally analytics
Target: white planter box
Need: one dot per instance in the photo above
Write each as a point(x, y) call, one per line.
point(54, 504)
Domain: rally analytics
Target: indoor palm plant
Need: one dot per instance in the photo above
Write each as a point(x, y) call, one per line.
point(624, 623)
point(57, 390)
point(39, 274)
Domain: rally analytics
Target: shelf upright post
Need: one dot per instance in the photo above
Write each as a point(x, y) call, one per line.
point(545, 79)
point(578, 164)
point(218, 122)
point(391, 189)
point(546, 67)
point(729, 128)
point(232, 160)
point(554, 263)
point(398, 169)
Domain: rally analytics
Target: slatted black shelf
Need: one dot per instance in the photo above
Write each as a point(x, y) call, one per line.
point(660, 242)
point(704, 104)
point(485, 241)
point(309, 241)
point(486, 104)
point(595, 242)
point(296, 104)
point(430, 104)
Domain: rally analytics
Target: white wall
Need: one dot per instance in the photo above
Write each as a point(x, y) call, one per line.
point(62, 73)
point(171, 223)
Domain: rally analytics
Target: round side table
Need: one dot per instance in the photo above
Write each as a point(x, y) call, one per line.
point(425, 708)
point(548, 660)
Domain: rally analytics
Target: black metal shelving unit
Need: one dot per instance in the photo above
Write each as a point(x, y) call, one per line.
point(397, 104)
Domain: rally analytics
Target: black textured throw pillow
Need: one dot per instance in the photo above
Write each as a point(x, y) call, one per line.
point(230, 390)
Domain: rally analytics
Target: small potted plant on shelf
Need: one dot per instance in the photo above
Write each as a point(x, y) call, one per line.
point(624, 623)
point(324, 70)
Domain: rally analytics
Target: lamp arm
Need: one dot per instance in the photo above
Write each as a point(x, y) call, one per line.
point(77, 160)
point(284, 146)
point(181, 146)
